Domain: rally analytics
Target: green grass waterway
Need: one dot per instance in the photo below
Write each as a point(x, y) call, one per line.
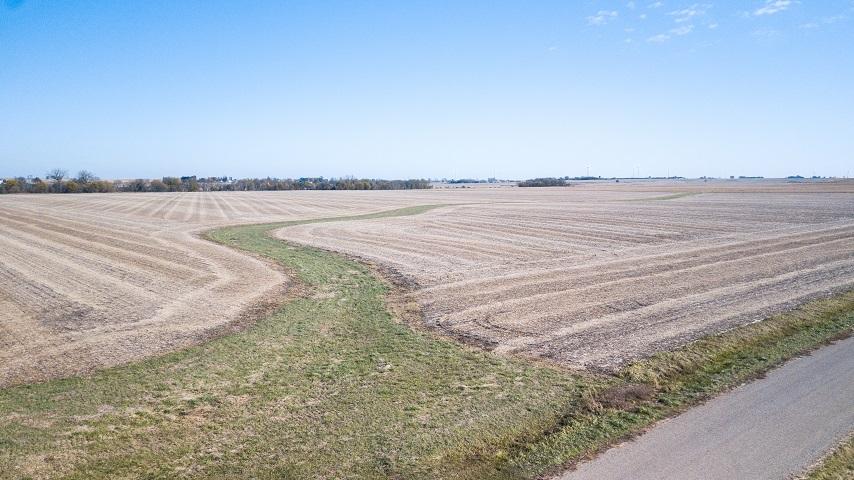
point(330, 385)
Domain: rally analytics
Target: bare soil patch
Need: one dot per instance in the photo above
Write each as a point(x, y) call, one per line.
point(591, 275)
point(598, 276)
point(92, 281)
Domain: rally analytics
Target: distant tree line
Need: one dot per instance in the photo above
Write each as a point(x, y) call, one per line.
point(58, 181)
point(464, 180)
point(544, 182)
point(320, 183)
point(470, 180)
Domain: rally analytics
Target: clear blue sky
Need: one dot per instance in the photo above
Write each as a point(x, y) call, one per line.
point(427, 89)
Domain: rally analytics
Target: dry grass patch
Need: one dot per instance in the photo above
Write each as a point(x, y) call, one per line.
point(838, 465)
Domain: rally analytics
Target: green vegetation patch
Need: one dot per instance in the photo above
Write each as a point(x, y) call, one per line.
point(671, 196)
point(839, 465)
point(330, 385)
point(670, 382)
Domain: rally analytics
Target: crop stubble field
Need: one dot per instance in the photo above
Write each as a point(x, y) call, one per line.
point(587, 276)
point(91, 281)
point(595, 277)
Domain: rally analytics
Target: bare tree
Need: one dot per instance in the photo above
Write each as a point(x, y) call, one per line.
point(85, 176)
point(57, 174)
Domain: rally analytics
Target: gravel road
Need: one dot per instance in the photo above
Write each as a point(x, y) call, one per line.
point(772, 428)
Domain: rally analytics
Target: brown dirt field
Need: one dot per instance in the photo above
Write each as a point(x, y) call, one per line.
point(586, 275)
point(90, 281)
point(590, 277)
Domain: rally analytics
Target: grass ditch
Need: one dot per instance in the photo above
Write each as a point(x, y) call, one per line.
point(671, 196)
point(331, 386)
point(670, 382)
point(839, 465)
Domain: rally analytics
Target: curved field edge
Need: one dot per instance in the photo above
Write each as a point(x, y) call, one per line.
point(327, 386)
point(330, 385)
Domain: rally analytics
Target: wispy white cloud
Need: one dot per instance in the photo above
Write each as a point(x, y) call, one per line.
point(673, 32)
point(683, 30)
point(642, 16)
point(656, 5)
point(602, 17)
point(765, 33)
point(631, 5)
point(772, 6)
point(823, 21)
point(688, 14)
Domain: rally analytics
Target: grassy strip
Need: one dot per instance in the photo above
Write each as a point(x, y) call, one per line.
point(671, 196)
point(839, 465)
point(670, 382)
point(330, 385)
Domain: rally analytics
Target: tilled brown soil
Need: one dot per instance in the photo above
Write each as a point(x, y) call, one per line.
point(586, 275)
point(90, 281)
point(591, 277)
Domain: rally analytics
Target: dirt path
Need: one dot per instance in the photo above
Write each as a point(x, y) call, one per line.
point(772, 428)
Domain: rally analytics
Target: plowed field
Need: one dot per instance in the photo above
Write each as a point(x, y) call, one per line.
point(89, 281)
point(591, 278)
point(588, 276)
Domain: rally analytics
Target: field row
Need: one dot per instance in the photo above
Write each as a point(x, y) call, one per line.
point(89, 281)
point(603, 283)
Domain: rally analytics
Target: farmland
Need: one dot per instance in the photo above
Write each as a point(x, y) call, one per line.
point(294, 361)
point(596, 280)
point(589, 276)
point(92, 281)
